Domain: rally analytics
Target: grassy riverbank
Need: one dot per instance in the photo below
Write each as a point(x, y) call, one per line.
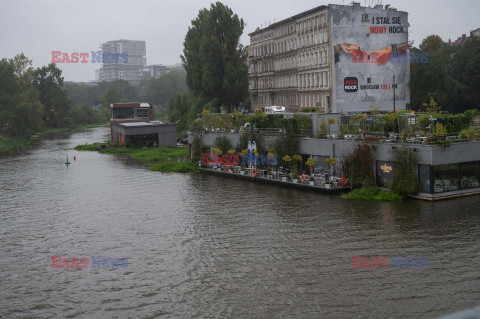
point(373, 193)
point(160, 159)
point(15, 145)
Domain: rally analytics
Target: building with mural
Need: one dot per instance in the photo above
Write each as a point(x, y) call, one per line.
point(337, 58)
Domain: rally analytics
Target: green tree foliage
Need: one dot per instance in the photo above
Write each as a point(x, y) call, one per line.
point(20, 108)
point(181, 109)
point(85, 114)
point(49, 82)
point(223, 143)
point(466, 67)
point(404, 175)
point(92, 94)
point(358, 167)
point(213, 58)
point(451, 77)
point(434, 79)
point(287, 144)
point(160, 90)
point(197, 148)
point(110, 96)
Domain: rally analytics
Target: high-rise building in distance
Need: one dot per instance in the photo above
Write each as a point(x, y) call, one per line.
point(129, 70)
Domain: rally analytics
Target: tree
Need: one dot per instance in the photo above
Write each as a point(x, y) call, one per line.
point(434, 79)
point(110, 96)
point(160, 90)
point(466, 68)
point(49, 82)
point(213, 58)
point(20, 108)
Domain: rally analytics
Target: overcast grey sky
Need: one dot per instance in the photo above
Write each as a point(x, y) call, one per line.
point(39, 27)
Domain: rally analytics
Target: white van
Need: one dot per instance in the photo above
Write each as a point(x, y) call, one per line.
point(274, 109)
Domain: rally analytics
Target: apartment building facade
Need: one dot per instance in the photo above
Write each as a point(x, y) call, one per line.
point(335, 57)
point(130, 70)
point(289, 63)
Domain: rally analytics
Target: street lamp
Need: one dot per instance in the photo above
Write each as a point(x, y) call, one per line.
point(393, 88)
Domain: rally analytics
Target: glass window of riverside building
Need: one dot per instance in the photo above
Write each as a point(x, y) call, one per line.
point(445, 178)
point(449, 177)
point(470, 175)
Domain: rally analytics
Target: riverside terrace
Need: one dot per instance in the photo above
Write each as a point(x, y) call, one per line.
point(447, 147)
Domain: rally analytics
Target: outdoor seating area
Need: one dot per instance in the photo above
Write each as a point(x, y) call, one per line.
point(318, 180)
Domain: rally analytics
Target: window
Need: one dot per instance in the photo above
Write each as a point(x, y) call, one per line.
point(424, 177)
point(364, 17)
point(369, 80)
point(445, 178)
point(470, 175)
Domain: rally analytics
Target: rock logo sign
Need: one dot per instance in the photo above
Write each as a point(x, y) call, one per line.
point(350, 84)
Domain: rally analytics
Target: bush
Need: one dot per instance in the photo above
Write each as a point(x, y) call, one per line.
point(373, 193)
point(87, 147)
point(358, 167)
point(13, 145)
point(174, 167)
point(286, 145)
point(404, 176)
point(223, 143)
point(197, 148)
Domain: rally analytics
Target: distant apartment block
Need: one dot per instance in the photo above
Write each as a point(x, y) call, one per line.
point(461, 40)
point(154, 71)
point(130, 71)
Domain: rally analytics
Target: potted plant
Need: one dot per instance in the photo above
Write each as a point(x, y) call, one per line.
point(310, 163)
point(440, 132)
point(295, 160)
point(287, 159)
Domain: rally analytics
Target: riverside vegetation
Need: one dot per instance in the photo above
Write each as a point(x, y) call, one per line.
point(161, 159)
point(38, 100)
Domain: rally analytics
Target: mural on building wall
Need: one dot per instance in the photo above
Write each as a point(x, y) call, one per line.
point(359, 55)
point(365, 43)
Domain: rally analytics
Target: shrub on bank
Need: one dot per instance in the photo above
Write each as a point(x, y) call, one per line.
point(87, 147)
point(163, 159)
point(13, 145)
point(373, 193)
point(174, 167)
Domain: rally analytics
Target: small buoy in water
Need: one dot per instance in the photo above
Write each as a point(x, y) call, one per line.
point(67, 162)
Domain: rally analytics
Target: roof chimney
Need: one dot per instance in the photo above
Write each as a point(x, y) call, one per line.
point(379, 6)
point(356, 5)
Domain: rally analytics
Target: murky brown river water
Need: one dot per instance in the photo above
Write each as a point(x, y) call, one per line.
point(204, 246)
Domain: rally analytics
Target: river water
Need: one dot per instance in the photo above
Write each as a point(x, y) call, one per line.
point(205, 246)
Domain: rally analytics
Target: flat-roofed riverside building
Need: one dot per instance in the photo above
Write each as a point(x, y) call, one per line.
point(153, 133)
point(129, 112)
point(132, 123)
point(335, 57)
